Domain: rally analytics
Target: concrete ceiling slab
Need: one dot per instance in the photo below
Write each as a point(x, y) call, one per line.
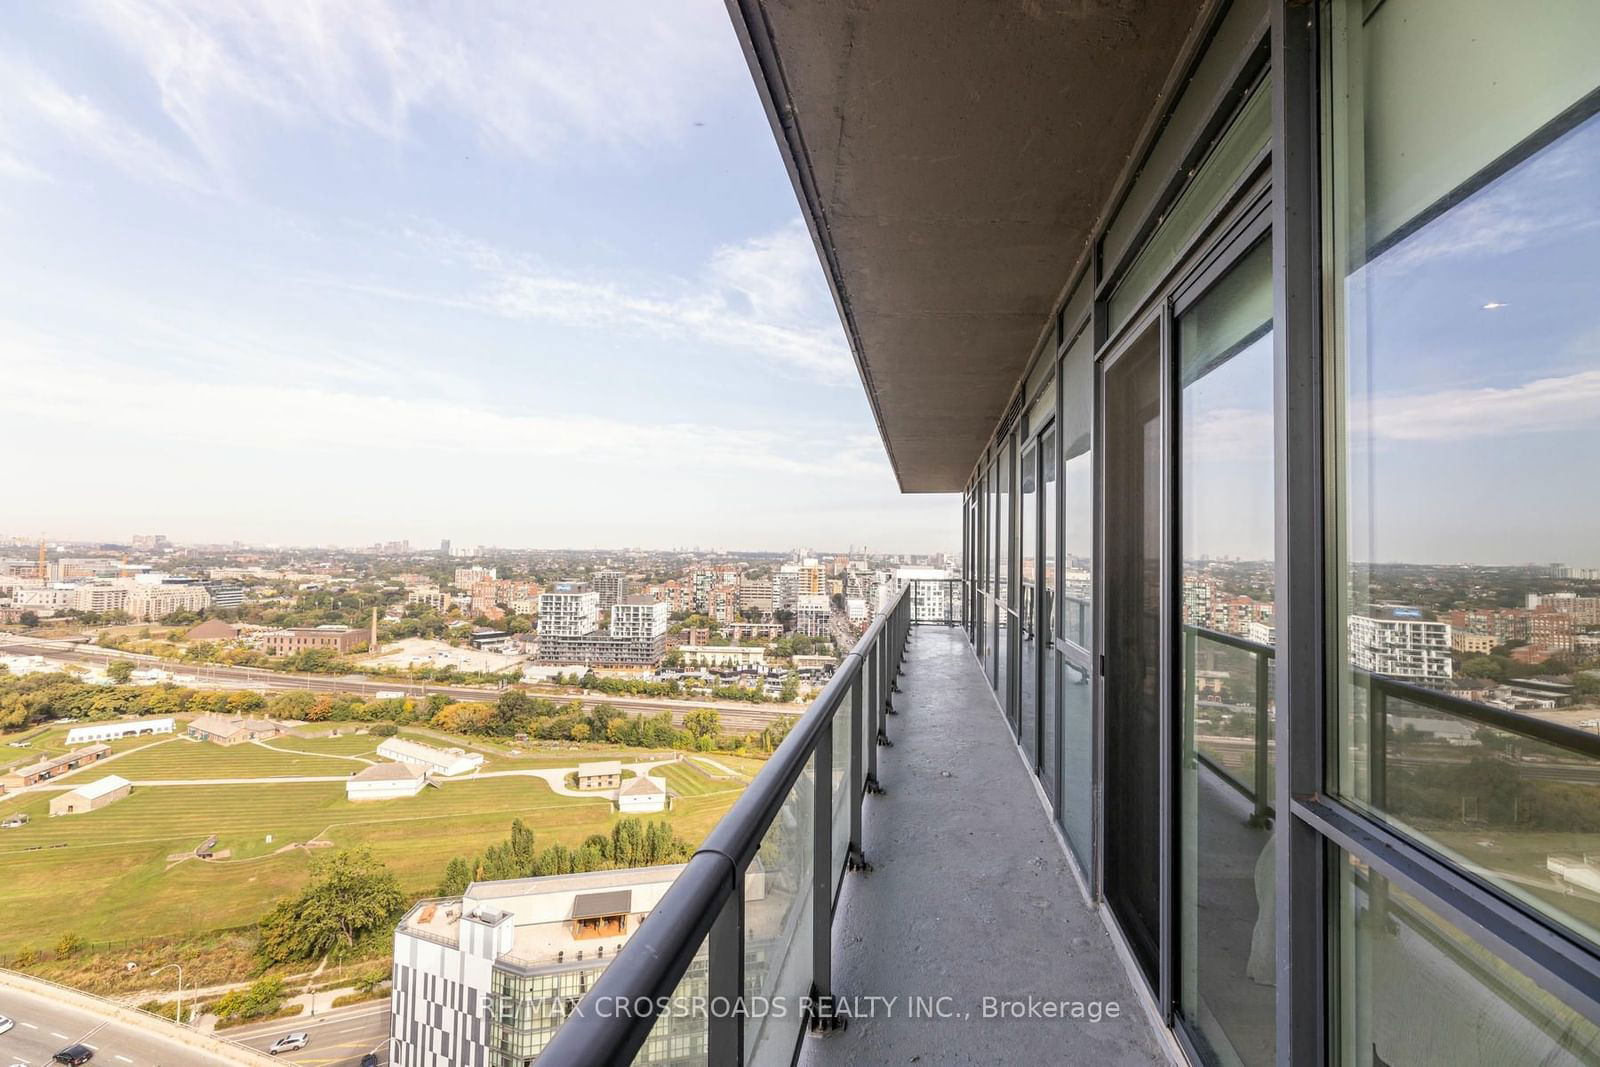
point(952, 157)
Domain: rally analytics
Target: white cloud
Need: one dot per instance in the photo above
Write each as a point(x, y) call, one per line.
point(1541, 405)
point(527, 77)
point(39, 114)
point(764, 297)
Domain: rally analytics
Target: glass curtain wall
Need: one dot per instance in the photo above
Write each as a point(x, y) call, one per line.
point(1049, 666)
point(1226, 528)
point(1075, 618)
point(1461, 146)
point(1005, 629)
point(1027, 637)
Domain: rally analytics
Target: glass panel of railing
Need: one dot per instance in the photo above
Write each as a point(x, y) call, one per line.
point(869, 697)
point(1076, 809)
point(1232, 694)
point(840, 790)
point(778, 965)
point(679, 1034)
point(1519, 811)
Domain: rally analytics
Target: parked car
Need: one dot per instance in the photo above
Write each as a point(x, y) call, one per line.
point(370, 1060)
point(5, 1024)
point(74, 1055)
point(290, 1042)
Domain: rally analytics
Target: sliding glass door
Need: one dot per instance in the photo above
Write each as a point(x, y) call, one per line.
point(1135, 517)
point(1225, 922)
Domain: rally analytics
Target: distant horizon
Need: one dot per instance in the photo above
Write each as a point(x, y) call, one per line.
point(19, 544)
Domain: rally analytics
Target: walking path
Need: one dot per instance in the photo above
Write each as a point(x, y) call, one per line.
point(554, 777)
point(971, 897)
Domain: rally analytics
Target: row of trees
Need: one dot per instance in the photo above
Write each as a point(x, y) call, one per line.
point(33, 699)
point(39, 698)
point(633, 842)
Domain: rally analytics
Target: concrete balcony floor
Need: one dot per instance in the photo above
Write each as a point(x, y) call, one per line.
point(971, 896)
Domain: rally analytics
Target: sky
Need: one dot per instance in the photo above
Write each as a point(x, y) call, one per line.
point(528, 275)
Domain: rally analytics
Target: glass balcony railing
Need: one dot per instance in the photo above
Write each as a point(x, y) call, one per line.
point(765, 949)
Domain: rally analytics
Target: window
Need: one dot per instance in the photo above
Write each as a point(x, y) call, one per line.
point(1226, 527)
point(1415, 988)
point(1075, 807)
point(1462, 150)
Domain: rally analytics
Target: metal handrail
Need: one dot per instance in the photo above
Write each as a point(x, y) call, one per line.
point(647, 971)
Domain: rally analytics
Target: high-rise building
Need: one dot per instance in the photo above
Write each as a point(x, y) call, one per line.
point(485, 979)
point(1400, 643)
point(612, 585)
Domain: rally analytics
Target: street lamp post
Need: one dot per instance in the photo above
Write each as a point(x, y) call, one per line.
point(177, 1011)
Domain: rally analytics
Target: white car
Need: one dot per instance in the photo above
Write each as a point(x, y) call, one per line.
point(5, 1024)
point(290, 1042)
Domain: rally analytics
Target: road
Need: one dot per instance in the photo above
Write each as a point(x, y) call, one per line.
point(338, 1039)
point(45, 1026)
point(735, 716)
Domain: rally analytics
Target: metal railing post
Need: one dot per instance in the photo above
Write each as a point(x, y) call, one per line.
point(874, 709)
point(857, 858)
point(1262, 815)
point(1378, 785)
point(725, 980)
point(822, 1016)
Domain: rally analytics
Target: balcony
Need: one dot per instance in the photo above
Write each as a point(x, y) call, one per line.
point(958, 931)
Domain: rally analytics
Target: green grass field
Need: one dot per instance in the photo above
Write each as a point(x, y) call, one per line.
point(182, 759)
point(104, 875)
point(688, 780)
point(743, 764)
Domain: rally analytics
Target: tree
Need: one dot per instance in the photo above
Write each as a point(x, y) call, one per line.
point(119, 670)
point(264, 996)
point(464, 718)
point(29, 619)
point(703, 723)
point(350, 894)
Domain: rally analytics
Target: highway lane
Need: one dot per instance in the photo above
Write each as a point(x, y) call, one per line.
point(735, 716)
point(44, 1026)
point(338, 1038)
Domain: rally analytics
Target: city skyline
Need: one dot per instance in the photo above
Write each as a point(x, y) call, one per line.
point(290, 276)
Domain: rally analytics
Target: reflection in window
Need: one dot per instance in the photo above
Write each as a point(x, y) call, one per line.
point(1416, 989)
point(1225, 527)
point(1465, 257)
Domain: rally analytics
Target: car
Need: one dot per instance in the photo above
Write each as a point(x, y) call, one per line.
point(74, 1055)
point(370, 1060)
point(5, 1024)
point(290, 1042)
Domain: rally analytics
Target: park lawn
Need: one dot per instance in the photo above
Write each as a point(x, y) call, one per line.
point(743, 764)
point(693, 817)
point(536, 759)
point(1520, 857)
point(104, 875)
point(53, 742)
point(183, 759)
point(343, 745)
point(686, 779)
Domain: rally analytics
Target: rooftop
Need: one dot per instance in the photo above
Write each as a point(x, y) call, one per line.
point(109, 784)
point(57, 761)
point(387, 772)
point(644, 785)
